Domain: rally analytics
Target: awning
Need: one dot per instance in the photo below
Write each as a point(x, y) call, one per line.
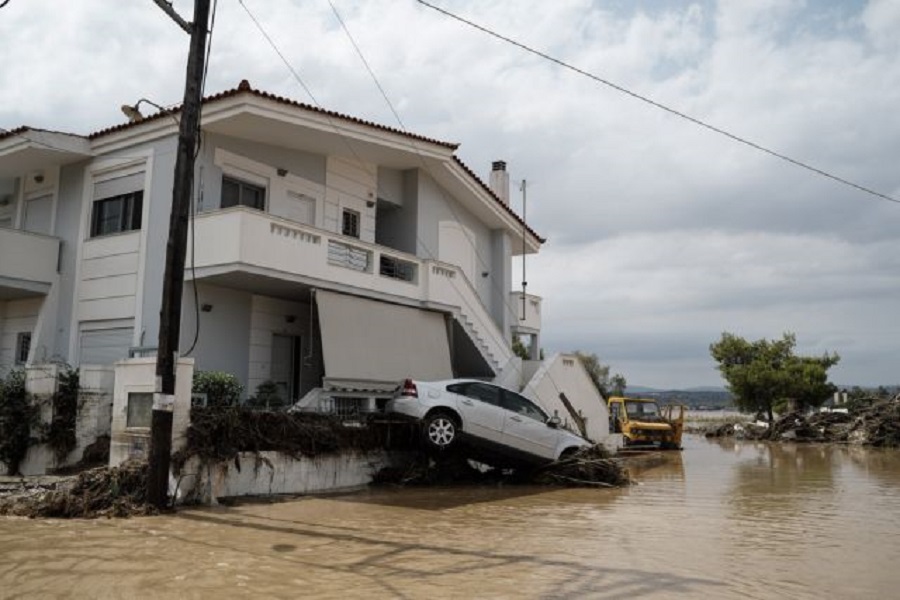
point(371, 345)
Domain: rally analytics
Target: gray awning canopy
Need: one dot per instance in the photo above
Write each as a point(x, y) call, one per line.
point(371, 345)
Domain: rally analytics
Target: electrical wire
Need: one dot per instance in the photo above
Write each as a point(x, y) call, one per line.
point(496, 285)
point(279, 53)
point(661, 106)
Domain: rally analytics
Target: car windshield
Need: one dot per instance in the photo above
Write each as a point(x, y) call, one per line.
point(637, 409)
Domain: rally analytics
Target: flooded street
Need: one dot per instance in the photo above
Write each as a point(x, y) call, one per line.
point(720, 520)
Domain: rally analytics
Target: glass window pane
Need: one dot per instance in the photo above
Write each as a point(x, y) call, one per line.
point(485, 393)
point(254, 197)
point(231, 192)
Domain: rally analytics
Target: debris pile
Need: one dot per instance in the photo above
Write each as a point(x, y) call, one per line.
point(874, 425)
point(589, 467)
point(103, 492)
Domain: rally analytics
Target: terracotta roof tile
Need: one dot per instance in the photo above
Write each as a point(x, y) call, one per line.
point(6, 133)
point(245, 88)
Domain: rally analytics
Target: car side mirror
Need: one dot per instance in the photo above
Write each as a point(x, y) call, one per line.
point(554, 422)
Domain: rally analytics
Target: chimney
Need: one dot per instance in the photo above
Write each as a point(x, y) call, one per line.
point(500, 181)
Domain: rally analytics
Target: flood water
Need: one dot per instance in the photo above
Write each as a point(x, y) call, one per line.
point(719, 520)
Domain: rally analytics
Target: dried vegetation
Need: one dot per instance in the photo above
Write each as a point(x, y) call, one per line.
point(875, 425)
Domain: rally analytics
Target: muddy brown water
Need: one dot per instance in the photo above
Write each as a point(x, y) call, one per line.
point(720, 520)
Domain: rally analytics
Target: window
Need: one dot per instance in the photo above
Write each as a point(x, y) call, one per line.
point(350, 223)
point(117, 214)
point(477, 391)
point(240, 193)
point(23, 347)
point(140, 409)
point(523, 406)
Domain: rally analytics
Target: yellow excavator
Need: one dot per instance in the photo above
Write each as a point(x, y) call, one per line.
point(643, 423)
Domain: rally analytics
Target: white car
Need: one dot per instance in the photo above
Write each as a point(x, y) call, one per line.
point(485, 416)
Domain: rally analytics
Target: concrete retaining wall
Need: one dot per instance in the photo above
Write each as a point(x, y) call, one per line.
point(273, 473)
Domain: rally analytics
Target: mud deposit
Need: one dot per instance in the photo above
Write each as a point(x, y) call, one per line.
point(723, 519)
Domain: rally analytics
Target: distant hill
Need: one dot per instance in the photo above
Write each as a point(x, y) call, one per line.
point(699, 398)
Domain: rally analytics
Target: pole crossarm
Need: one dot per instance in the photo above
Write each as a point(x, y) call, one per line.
point(167, 8)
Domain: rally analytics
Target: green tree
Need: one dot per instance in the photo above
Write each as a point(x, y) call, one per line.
point(618, 385)
point(605, 383)
point(519, 348)
point(765, 375)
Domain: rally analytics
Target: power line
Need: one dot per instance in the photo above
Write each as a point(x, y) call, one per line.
point(343, 136)
point(279, 53)
point(497, 286)
point(659, 105)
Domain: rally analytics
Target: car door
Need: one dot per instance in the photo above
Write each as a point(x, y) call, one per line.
point(479, 405)
point(525, 427)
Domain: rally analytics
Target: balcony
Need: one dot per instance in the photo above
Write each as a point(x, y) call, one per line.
point(246, 242)
point(28, 263)
point(531, 323)
point(247, 249)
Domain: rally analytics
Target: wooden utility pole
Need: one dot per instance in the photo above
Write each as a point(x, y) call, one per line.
point(173, 279)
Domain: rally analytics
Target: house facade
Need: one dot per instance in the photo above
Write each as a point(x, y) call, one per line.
point(327, 255)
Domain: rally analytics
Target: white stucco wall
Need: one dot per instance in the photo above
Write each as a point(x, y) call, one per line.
point(92, 419)
point(139, 375)
point(564, 373)
point(16, 316)
point(272, 473)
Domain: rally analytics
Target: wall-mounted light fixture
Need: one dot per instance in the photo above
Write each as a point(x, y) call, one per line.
point(134, 114)
point(281, 172)
point(369, 203)
point(206, 307)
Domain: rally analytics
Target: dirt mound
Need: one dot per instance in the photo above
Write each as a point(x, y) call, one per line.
point(103, 492)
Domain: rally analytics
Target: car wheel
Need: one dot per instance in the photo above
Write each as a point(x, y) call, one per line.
point(441, 430)
point(568, 453)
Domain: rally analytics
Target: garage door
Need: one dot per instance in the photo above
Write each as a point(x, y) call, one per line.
point(371, 345)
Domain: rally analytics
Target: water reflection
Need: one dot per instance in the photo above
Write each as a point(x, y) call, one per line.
point(720, 520)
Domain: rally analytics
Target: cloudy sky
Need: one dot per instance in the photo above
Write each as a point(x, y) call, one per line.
point(661, 234)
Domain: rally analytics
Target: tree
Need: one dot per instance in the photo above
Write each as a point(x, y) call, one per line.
point(765, 375)
point(519, 348)
point(599, 373)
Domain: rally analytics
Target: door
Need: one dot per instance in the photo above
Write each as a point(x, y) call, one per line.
point(104, 346)
point(285, 369)
point(525, 427)
point(301, 208)
point(479, 405)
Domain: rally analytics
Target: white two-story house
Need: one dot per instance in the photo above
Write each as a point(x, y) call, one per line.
point(329, 255)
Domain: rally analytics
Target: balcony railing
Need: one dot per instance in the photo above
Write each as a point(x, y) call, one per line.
point(243, 239)
point(527, 314)
point(28, 258)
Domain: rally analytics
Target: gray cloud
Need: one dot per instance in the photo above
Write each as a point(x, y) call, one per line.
point(662, 234)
